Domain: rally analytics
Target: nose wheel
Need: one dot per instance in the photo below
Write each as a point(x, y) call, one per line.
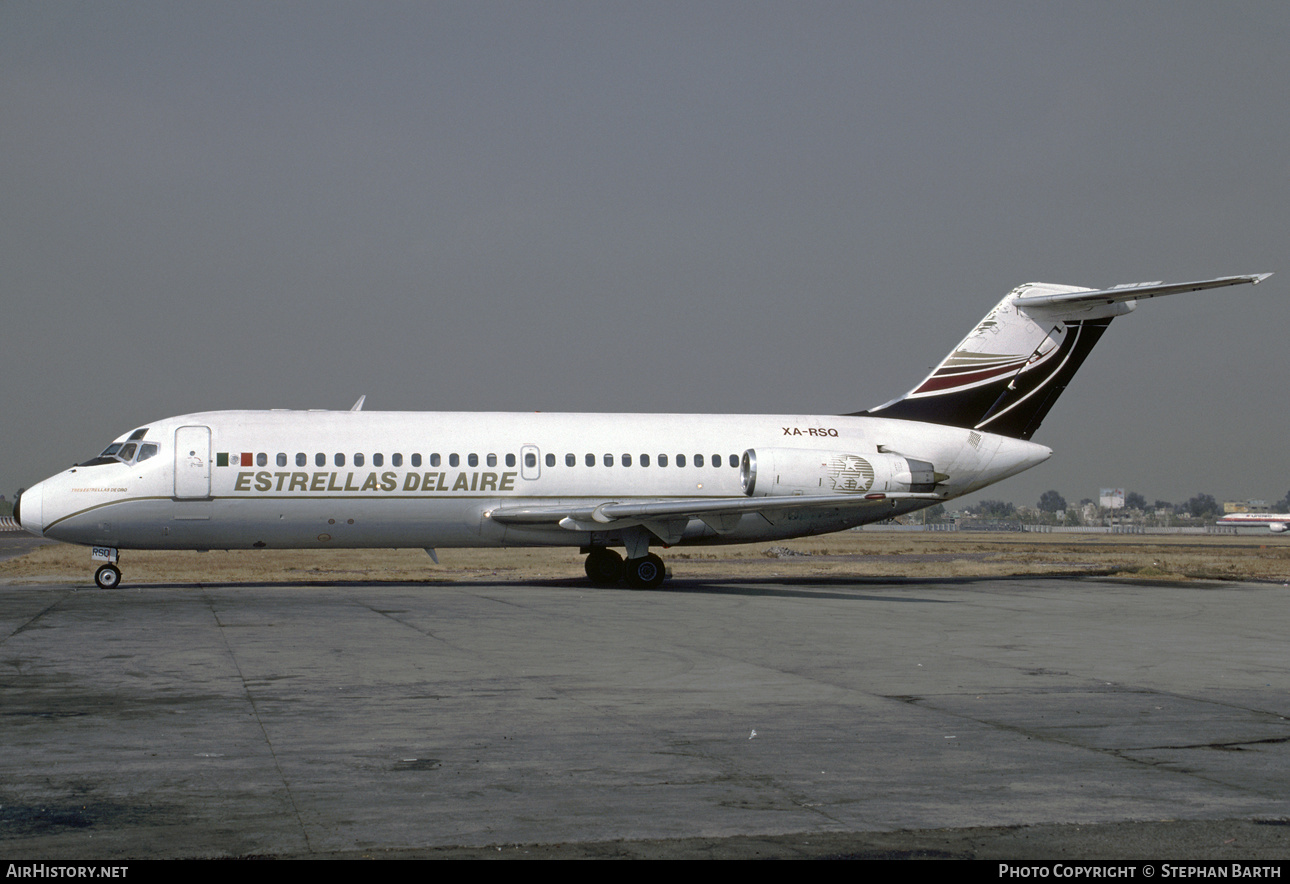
point(108, 577)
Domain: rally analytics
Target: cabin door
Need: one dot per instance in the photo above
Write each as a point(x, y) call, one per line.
point(192, 463)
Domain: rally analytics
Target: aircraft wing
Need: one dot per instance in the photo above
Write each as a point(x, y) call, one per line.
point(667, 517)
point(1135, 292)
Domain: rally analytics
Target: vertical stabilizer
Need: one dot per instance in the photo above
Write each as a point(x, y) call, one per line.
point(1008, 372)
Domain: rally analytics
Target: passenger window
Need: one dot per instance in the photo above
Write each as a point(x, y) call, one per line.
point(570, 460)
point(282, 458)
point(591, 460)
point(644, 460)
point(492, 460)
point(416, 460)
point(320, 459)
point(734, 460)
point(662, 460)
point(627, 460)
point(301, 458)
point(378, 460)
point(680, 460)
point(698, 460)
point(147, 450)
point(550, 460)
point(472, 460)
point(510, 460)
point(396, 460)
point(339, 459)
point(261, 459)
point(434, 460)
point(530, 459)
point(609, 460)
point(454, 460)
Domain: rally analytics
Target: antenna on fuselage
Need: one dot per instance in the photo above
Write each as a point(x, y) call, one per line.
point(358, 406)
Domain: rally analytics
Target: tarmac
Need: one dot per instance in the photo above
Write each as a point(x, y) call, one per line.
point(1018, 718)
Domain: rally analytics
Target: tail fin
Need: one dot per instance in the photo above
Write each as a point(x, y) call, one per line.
point(1008, 372)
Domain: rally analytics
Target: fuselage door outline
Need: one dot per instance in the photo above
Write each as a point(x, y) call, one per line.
point(530, 462)
point(192, 463)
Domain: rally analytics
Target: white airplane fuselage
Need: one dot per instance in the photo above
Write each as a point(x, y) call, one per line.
point(1277, 523)
point(335, 479)
point(347, 478)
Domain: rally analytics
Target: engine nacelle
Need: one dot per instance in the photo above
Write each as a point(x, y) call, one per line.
point(777, 472)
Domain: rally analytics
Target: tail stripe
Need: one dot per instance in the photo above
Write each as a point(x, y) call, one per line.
point(1069, 352)
point(945, 379)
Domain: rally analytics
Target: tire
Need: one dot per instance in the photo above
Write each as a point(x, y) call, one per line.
point(646, 572)
point(604, 567)
point(108, 577)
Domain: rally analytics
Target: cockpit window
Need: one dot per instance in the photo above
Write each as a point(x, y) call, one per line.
point(130, 451)
point(137, 435)
point(109, 455)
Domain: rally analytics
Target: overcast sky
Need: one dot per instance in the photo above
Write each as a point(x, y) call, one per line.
point(697, 207)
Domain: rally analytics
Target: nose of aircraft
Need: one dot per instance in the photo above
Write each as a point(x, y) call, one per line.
point(28, 511)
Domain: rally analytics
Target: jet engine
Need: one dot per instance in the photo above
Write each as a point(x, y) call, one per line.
point(778, 472)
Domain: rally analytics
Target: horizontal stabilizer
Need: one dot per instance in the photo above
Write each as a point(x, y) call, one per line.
point(1134, 292)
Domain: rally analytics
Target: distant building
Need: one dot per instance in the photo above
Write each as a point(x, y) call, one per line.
point(1248, 506)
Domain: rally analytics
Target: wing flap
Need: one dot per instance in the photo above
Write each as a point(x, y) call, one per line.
point(719, 512)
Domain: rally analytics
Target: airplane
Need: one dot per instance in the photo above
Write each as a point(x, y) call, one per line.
point(1277, 523)
point(284, 479)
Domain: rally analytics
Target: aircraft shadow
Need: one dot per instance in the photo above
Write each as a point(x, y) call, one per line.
point(849, 588)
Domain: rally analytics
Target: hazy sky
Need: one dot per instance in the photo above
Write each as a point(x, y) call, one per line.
point(699, 207)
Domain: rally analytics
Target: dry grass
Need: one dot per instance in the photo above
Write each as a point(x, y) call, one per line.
point(850, 554)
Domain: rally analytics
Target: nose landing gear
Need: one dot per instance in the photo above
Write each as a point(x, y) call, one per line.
point(108, 577)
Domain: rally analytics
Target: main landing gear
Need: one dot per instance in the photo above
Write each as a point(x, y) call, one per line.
point(605, 567)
